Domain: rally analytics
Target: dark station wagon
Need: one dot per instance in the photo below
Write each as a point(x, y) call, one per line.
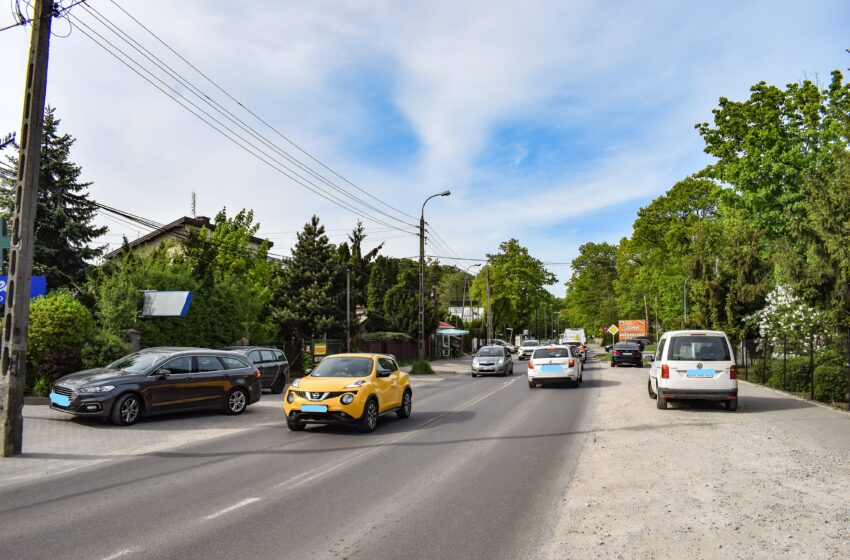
point(160, 380)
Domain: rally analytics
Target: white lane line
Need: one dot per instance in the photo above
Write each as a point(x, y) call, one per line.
point(304, 478)
point(241, 504)
point(119, 554)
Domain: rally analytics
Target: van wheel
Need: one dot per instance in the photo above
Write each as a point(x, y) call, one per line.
point(660, 402)
point(531, 385)
point(731, 405)
point(649, 388)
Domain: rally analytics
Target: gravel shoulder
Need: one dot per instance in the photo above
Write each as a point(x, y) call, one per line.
point(771, 480)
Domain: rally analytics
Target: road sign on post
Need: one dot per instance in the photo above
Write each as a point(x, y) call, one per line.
point(613, 330)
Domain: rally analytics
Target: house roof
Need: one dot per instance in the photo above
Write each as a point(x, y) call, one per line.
point(178, 224)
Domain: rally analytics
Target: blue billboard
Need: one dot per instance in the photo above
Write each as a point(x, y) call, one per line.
point(38, 287)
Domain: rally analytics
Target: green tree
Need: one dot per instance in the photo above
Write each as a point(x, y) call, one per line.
point(63, 222)
point(307, 298)
point(590, 300)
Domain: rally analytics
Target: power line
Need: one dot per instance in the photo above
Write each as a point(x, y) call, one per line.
point(256, 152)
point(163, 66)
point(255, 115)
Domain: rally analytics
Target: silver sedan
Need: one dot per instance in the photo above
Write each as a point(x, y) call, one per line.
point(492, 360)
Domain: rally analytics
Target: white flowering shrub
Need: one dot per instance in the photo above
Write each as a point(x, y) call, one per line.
point(785, 314)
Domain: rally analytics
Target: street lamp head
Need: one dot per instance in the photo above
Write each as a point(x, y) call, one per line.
point(445, 193)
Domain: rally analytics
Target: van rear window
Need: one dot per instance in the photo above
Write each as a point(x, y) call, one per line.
point(704, 348)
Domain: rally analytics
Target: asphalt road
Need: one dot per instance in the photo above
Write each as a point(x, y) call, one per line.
point(475, 472)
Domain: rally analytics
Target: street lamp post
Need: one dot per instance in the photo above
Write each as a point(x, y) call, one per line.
point(422, 274)
point(463, 300)
point(685, 296)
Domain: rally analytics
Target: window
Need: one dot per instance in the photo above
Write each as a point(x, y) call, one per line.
point(386, 365)
point(233, 363)
point(278, 356)
point(180, 365)
point(660, 350)
point(208, 363)
point(255, 357)
point(551, 353)
point(705, 348)
point(268, 356)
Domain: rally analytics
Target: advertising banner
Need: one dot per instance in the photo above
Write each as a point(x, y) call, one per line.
point(38, 287)
point(631, 328)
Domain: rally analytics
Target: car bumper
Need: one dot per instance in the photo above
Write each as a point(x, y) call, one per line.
point(698, 394)
point(627, 360)
point(489, 370)
point(567, 375)
point(87, 405)
point(337, 413)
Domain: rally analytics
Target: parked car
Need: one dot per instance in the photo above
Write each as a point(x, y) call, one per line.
point(626, 354)
point(272, 363)
point(159, 380)
point(349, 389)
point(499, 342)
point(694, 364)
point(526, 349)
point(644, 341)
point(580, 350)
point(553, 364)
point(492, 360)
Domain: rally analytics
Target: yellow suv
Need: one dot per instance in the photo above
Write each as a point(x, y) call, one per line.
point(349, 389)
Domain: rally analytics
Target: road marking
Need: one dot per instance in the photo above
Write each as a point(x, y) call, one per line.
point(304, 478)
point(241, 504)
point(119, 554)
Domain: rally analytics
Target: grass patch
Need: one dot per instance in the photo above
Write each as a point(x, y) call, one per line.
point(421, 368)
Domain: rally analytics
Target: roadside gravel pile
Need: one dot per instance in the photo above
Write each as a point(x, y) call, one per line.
point(695, 481)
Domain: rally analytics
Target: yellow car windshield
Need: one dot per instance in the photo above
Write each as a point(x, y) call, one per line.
point(343, 367)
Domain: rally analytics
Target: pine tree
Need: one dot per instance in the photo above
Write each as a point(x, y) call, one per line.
point(63, 221)
point(307, 301)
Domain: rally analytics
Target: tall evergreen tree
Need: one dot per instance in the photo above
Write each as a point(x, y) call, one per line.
point(63, 222)
point(307, 302)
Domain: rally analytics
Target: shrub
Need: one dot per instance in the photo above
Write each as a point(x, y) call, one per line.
point(56, 321)
point(831, 382)
point(55, 364)
point(102, 348)
point(421, 368)
point(41, 387)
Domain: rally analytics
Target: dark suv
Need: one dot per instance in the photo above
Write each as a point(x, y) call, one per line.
point(159, 380)
point(272, 363)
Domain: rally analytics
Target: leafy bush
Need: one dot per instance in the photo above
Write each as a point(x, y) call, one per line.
point(831, 382)
point(41, 387)
point(56, 321)
point(55, 364)
point(103, 348)
point(421, 368)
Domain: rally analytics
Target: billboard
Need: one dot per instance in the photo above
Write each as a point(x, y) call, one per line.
point(467, 313)
point(166, 303)
point(38, 287)
point(630, 328)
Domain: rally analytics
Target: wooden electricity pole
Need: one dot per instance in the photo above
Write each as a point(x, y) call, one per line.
point(13, 362)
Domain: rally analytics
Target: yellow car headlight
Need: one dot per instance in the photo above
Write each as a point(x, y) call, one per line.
point(290, 397)
point(347, 398)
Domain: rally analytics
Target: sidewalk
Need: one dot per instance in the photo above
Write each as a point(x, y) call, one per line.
point(448, 366)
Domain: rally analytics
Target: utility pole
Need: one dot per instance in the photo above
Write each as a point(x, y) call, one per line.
point(489, 311)
point(13, 361)
point(646, 314)
point(347, 309)
point(422, 274)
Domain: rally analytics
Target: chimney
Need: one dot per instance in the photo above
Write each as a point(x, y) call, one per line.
point(203, 219)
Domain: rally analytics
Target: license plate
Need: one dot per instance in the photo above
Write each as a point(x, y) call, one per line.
point(59, 400)
point(700, 373)
point(552, 368)
point(314, 408)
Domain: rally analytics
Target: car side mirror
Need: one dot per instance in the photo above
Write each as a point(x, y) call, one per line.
point(162, 373)
point(384, 373)
point(649, 358)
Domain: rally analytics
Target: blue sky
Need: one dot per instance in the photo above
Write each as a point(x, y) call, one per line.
point(550, 121)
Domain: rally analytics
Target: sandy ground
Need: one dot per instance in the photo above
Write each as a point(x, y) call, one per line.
point(771, 480)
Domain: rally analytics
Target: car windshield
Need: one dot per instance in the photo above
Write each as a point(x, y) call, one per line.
point(551, 353)
point(706, 348)
point(138, 362)
point(528, 343)
point(491, 352)
point(343, 367)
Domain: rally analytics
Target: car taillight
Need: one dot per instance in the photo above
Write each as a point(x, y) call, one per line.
point(665, 372)
point(616, 352)
point(530, 364)
point(572, 363)
point(733, 372)
point(256, 374)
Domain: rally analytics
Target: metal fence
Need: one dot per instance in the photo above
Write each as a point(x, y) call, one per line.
point(816, 366)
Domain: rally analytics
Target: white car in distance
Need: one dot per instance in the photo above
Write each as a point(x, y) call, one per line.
point(552, 364)
point(527, 348)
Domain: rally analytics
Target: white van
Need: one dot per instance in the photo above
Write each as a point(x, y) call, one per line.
point(694, 365)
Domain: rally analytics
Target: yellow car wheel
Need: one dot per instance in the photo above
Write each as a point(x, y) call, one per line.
point(406, 405)
point(369, 421)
